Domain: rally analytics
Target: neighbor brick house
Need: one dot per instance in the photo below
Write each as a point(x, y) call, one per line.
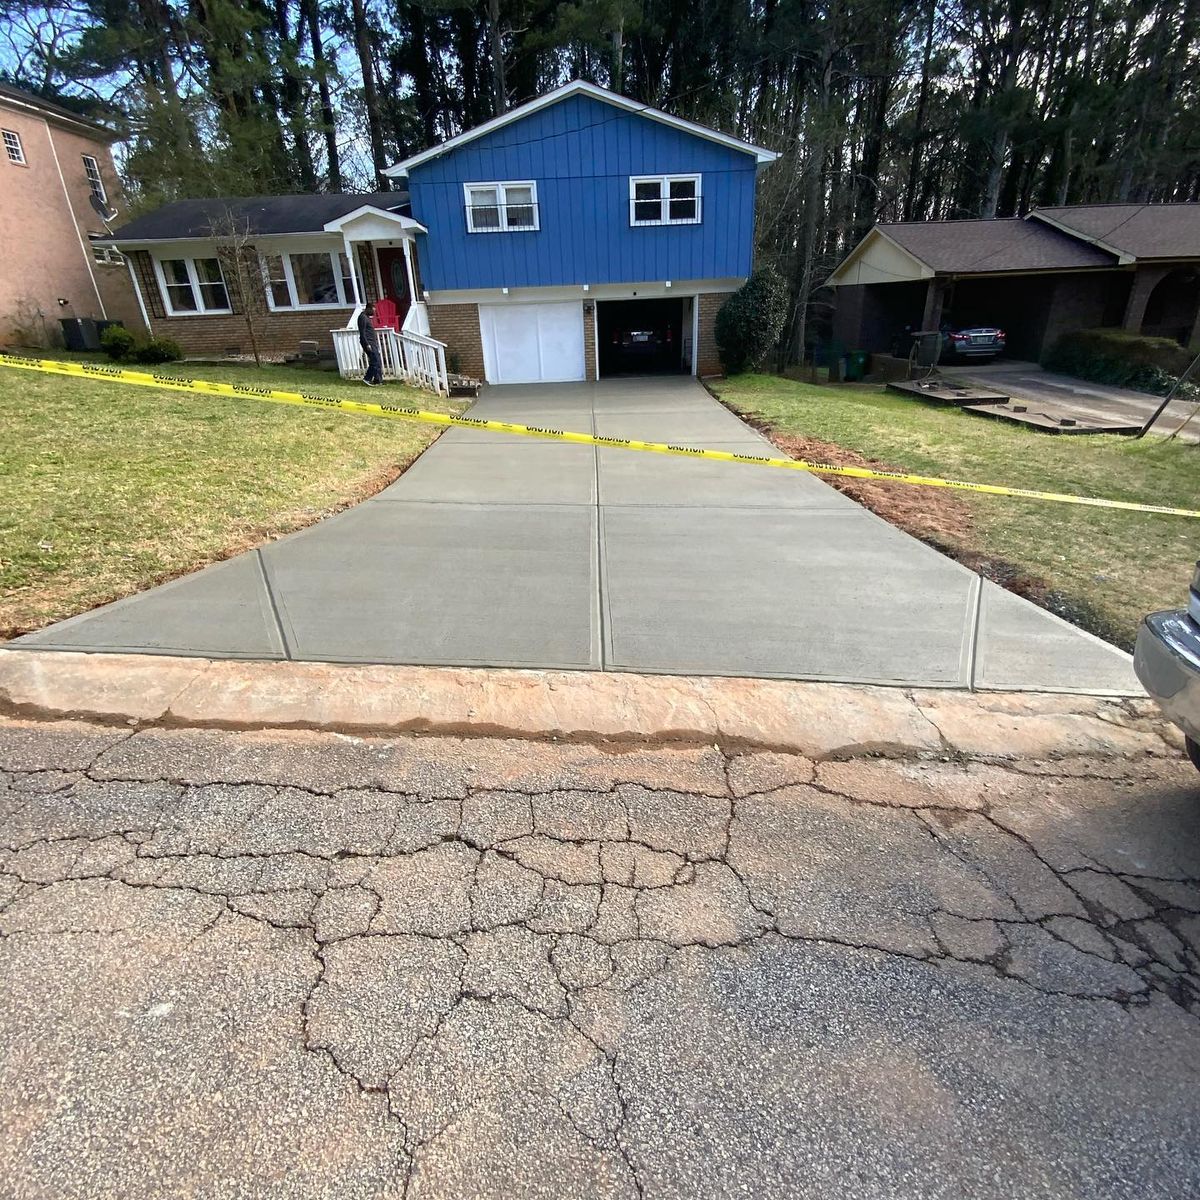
point(1129, 266)
point(578, 236)
point(57, 187)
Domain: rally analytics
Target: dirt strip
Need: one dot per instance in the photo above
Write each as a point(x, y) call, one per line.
point(820, 720)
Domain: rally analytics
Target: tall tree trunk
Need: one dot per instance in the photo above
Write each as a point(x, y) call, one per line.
point(914, 162)
point(322, 68)
point(362, 45)
point(496, 53)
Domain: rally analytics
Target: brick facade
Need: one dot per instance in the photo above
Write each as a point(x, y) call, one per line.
point(458, 326)
point(219, 335)
point(708, 360)
point(591, 368)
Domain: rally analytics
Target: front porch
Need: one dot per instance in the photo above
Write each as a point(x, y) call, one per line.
point(407, 357)
point(382, 248)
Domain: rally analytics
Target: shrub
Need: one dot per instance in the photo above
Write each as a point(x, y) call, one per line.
point(157, 350)
point(750, 321)
point(116, 341)
point(1150, 364)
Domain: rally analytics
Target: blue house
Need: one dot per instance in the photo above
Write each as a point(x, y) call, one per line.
point(582, 235)
point(579, 236)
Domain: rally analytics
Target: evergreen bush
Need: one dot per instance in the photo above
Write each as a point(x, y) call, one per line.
point(750, 321)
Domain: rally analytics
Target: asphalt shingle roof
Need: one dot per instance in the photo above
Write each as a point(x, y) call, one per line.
point(983, 247)
point(254, 214)
point(1142, 230)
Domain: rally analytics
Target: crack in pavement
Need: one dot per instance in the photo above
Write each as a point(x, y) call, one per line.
point(559, 905)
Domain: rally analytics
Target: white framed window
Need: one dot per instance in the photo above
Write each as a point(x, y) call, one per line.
point(501, 207)
point(192, 285)
point(318, 279)
point(108, 256)
point(13, 147)
point(664, 200)
point(92, 169)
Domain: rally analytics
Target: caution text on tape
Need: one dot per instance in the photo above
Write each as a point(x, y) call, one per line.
point(398, 412)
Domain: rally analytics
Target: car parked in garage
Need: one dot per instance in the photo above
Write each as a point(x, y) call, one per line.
point(1167, 661)
point(976, 341)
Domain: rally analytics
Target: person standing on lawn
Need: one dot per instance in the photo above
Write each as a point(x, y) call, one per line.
point(368, 339)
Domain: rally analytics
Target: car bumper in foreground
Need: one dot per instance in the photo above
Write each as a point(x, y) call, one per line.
point(1167, 661)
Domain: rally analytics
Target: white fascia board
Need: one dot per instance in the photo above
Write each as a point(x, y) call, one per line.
point(336, 226)
point(837, 277)
point(575, 88)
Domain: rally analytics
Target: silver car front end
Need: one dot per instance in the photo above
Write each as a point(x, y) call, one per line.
point(1167, 661)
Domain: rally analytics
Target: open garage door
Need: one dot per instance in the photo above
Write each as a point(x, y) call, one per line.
point(643, 337)
point(532, 343)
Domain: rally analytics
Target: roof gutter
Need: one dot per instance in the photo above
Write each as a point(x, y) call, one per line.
point(53, 114)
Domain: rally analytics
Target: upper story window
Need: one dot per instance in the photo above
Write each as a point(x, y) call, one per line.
point(13, 147)
point(192, 285)
point(501, 207)
point(664, 200)
point(319, 280)
point(92, 167)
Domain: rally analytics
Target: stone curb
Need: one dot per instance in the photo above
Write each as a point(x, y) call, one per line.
point(818, 720)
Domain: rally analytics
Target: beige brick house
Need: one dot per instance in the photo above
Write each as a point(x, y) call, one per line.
point(57, 186)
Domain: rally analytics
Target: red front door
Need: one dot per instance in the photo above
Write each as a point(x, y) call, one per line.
point(393, 279)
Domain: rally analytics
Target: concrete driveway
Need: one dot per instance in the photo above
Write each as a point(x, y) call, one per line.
point(1027, 381)
point(501, 551)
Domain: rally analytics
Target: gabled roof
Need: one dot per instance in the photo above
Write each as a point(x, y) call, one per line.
point(1131, 231)
point(986, 247)
point(259, 215)
point(579, 87)
point(1006, 246)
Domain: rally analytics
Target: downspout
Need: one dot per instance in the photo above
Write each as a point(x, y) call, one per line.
point(87, 258)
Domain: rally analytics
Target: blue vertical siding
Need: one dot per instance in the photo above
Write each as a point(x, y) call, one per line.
point(581, 152)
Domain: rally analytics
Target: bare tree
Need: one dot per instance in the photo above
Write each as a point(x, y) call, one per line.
point(242, 269)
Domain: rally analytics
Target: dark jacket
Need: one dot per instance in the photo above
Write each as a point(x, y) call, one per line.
point(368, 338)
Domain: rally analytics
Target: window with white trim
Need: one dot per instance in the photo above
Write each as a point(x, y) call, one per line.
point(108, 256)
point(92, 169)
point(501, 207)
point(192, 285)
point(664, 200)
point(13, 147)
point(321, 279)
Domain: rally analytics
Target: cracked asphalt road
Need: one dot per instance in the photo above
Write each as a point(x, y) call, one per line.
point(305, 965)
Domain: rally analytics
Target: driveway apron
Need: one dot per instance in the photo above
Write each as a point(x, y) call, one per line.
point(497, 550)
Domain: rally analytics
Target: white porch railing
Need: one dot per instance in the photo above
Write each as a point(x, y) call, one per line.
point(409, 357)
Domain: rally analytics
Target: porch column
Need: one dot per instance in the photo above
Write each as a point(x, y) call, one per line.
point(353, 271)
point(412, 275)
point(1145, 280)
point(935, 295)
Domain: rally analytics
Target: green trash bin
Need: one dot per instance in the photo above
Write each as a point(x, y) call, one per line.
point(856, 365)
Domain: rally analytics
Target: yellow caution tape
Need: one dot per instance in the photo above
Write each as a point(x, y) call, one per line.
point(398, 412)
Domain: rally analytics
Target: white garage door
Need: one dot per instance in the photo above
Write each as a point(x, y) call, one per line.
point(532, 343)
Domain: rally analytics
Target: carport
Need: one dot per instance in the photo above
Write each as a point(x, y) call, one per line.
point(644, 337)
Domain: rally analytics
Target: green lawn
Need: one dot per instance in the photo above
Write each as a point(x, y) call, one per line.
point(1102, 568)
point(106, 489)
